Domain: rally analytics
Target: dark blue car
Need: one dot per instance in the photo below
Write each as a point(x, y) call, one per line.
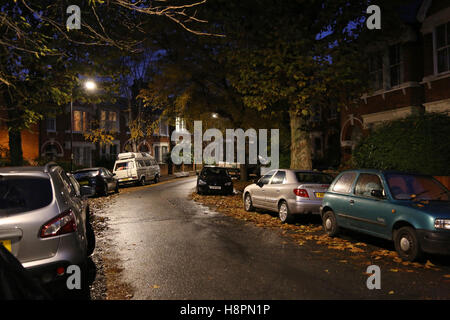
point(412, 210)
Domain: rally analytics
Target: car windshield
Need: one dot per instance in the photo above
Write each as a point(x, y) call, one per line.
point(23, 193)
point(416, 187)
point(85, 174)
point(307, 177)
point(215, 172)
point(124, 166)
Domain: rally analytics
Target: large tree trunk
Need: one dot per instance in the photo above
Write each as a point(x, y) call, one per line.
point(300, 143)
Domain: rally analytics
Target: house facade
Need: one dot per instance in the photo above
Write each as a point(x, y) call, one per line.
point(55, 135)
point(408, 76)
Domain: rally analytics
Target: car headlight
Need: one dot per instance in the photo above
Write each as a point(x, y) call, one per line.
point(228, 183)
point(201, 182)
point(442, 224)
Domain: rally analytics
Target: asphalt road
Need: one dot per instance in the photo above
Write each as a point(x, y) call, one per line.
point(173, 248)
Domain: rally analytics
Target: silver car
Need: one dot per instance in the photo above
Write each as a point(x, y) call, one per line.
point(44, 219)
point(288, 192)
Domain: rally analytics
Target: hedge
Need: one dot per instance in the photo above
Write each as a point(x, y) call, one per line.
point(418, 143)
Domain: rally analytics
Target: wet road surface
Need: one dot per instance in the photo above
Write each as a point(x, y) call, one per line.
point(173, 248)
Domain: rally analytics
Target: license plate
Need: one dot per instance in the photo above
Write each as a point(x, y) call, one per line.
point(6, 244)
point(83, 183)
point(125, 179)
point(319, 194)
point(215, 187)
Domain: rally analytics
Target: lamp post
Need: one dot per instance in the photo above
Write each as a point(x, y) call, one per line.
point(90, 86)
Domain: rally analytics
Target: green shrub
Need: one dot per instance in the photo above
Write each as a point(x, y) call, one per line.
point(415, 144)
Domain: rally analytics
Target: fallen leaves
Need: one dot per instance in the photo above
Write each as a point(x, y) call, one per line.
point(302, 234)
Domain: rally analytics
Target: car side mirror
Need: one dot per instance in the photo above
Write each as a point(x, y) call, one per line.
point(87, 191)
point(376, 194)
point(114, 174)
point(260, 184)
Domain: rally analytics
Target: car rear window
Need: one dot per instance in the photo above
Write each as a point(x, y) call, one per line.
point(345, 182)
point(85, 174)
point(23, 193)
point(215, 172)
point(306, 177)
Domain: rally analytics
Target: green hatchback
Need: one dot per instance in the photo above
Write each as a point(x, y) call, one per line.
point(412, 210)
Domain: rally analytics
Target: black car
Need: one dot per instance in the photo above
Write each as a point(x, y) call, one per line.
point(214, 180)
point(100, 179)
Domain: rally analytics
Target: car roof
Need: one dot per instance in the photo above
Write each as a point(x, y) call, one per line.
point(379, 171)
point(27, 170)
point(89, 169)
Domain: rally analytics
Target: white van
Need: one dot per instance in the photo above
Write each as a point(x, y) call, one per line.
point(136, 167)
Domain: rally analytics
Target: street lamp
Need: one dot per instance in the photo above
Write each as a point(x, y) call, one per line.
point(90, 86)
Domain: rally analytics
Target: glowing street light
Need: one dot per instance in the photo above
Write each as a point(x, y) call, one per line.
point(90, 85)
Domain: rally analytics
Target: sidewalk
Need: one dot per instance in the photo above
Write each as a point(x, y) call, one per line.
point(177, 175)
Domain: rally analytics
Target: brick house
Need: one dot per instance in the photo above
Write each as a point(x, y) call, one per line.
point(55, 135)
point(411, 75)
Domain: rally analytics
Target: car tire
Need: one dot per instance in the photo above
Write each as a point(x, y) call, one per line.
point(90, 237)
point(248, 203)
point(116, 190)
point(105, 190)
point(330, 225)
point(156, 180)
point(283, 212)
point(141, 182)
point(199, 192)
point(407, 244)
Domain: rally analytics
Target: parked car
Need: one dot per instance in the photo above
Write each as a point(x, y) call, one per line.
point(100, 179)
point(137, 168)
point(44, 220)
point(288, 192)
point(214, 180)
point(16, 283)
point(410, 209)
point(234, 173)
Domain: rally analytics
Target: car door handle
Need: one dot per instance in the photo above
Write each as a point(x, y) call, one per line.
point(352, 201)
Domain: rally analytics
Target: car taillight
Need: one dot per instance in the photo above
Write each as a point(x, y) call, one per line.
point(301, 193)
point(62, 224)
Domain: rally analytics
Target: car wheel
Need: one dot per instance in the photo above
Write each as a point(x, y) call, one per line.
point(142, 181)
point(105, 190)
point(116, 190)
point(90, 236)
point(248, 204)
point(156, 180)
point(407, 244)
point(330, 224)
point(283, 212)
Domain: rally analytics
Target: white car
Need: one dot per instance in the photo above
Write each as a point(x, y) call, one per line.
point(288, 192)
point(136, 167)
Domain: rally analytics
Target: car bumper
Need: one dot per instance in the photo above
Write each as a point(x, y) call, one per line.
point(437, 242)
point(127, 181)
point(207, 189)
point(304, 207)
point(70, 252)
